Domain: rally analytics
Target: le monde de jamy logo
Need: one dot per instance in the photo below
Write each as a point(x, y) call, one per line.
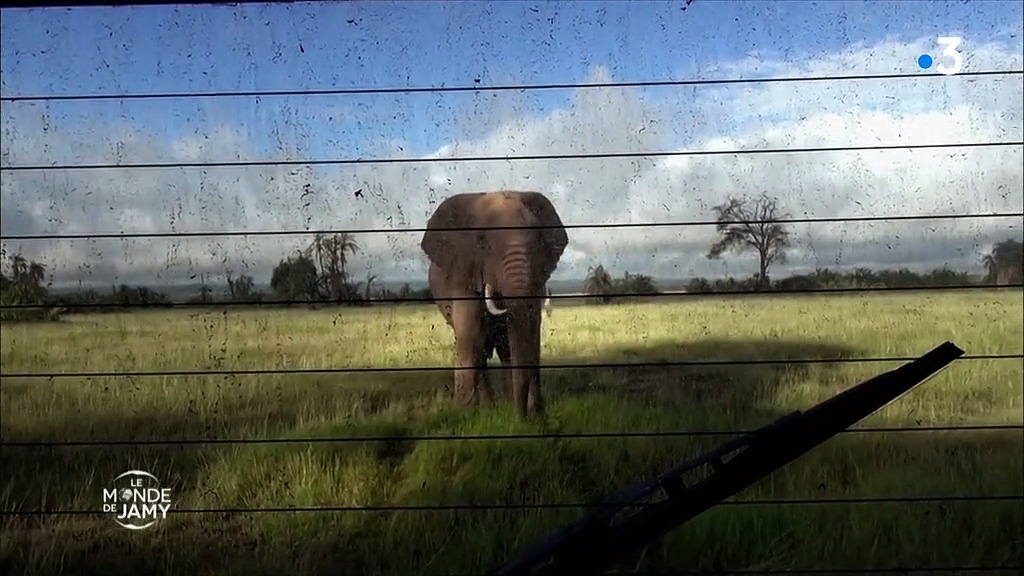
point(136, 500)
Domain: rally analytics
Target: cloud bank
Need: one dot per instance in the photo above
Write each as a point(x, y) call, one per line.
point(666, 189)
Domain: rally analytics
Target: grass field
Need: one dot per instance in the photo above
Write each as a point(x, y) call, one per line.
point(729, 397)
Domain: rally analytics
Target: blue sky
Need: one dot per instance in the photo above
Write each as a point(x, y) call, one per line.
point(385, 44)
point(417, 44)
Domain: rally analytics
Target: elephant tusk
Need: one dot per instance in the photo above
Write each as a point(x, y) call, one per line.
point(491, 307)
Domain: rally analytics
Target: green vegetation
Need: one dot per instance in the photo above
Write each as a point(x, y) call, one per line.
point(318, 273)
point(405, 473)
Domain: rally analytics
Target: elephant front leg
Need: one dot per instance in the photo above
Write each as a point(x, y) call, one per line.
point(524, 341)
point(467, 376)
point(535, 400)
point(469, 354)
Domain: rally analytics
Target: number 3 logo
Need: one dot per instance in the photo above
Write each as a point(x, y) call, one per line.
point(951, 43)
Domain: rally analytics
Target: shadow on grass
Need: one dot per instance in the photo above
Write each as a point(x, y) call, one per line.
point(225, 413)
point(732, 373)
point(729, 537)
point(634, 398)
point(726, 396)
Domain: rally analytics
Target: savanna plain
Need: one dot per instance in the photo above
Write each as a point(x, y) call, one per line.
point(754, 531)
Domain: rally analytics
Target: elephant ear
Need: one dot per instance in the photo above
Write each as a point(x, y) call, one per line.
point(444, 246)
point(553, 237)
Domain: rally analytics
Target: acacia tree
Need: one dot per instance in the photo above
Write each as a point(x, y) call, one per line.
point(751, 224)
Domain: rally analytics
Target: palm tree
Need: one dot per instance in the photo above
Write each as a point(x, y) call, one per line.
point(598, 283)
point(1004, 264)
point(331, 253)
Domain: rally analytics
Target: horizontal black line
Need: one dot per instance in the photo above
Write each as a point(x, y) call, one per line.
point(376, 369)
point(527, 157)
point(878, 570)
point(679, 223)
point(484, 88)
point(570, 435)
point(523, 506)
point(424, 300)
point(816, 571)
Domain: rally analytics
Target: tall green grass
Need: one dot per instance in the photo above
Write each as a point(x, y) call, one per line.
point(741, 535)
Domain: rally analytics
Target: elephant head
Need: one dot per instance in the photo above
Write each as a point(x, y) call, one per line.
point(493, 253)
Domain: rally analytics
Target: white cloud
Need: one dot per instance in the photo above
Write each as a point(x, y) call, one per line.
point(682, 188)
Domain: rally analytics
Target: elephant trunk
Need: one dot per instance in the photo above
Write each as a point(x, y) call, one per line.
point(520, 282)
point(513, 278)
point(517, 271)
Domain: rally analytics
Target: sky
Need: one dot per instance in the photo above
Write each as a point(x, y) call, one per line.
point(190, 49)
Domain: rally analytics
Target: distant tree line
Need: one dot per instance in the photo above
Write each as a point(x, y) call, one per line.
point(755, 225)
point(600, 284)
point(319, 273)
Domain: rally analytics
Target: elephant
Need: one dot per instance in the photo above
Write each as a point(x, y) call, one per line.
point(489, 285)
